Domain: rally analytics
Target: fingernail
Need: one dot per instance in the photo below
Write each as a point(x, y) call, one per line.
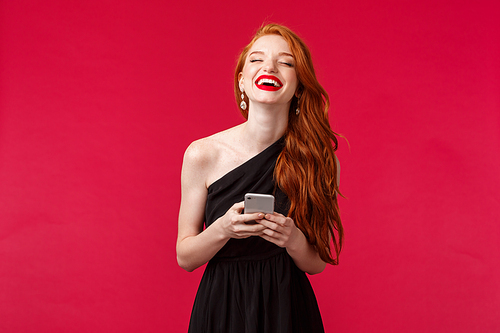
point(261, 216)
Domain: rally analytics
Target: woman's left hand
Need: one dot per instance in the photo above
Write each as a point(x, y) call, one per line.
point(280, 230)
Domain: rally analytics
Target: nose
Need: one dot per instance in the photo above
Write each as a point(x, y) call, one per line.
point(270, 66)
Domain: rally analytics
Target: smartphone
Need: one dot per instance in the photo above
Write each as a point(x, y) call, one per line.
point(259, 203)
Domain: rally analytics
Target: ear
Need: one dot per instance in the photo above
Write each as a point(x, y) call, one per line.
point(298, 92)
point(240, 81)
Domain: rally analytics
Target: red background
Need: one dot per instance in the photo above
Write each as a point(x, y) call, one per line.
point(99, 99)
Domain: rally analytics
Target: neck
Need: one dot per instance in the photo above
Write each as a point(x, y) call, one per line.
point(265, 125)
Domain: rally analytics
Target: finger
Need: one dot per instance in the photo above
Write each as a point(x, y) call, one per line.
point(243, 218)
point(247, 230)
point(252, 217)
point(280, 219)
point(271, 233)
point(269, 224)
point(273, 240)
point(239, 206)
point(254, 228)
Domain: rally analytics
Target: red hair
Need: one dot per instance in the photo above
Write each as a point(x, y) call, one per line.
point(306, 168)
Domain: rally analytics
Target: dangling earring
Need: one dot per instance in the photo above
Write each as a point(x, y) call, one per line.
point(243, 104)
point(298, 96)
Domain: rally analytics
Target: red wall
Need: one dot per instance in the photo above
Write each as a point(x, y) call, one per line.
point(99, 99)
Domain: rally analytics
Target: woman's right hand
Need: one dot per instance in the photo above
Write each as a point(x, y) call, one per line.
point(233, 224)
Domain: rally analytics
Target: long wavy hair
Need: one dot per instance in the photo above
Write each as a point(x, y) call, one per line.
point(306, 168)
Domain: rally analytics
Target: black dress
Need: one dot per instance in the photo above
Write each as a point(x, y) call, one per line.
point(252, 285)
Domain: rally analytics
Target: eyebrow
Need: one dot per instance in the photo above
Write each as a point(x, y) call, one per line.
point(281, 53)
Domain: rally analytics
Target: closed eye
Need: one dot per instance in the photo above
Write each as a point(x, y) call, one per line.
point(254, 60)
point(288, 64)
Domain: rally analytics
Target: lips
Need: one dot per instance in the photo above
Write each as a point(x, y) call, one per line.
point(268, 83)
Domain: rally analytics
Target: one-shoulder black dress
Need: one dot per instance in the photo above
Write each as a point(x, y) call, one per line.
point(252, 285)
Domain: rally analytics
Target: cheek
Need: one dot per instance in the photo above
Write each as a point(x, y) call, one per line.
point(247, 81)
point(294, 81)
point(250, 72)
point(291, 77)
point(247, 75)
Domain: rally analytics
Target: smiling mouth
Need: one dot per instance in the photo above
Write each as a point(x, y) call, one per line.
point(269, 83)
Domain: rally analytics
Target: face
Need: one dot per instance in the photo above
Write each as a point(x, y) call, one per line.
point(269, 75)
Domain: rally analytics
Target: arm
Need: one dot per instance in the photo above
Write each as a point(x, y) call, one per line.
point(196, 246)
point(282, 231)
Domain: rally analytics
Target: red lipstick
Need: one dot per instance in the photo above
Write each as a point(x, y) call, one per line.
point(268, 82)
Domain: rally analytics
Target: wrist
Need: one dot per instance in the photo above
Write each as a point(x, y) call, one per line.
point(297, 240)
point(219, 232)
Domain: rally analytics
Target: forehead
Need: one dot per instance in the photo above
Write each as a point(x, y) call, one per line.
point(270, 43)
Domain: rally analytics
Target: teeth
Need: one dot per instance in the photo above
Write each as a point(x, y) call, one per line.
point(271, 81)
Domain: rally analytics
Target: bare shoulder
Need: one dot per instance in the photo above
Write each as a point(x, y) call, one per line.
point(203, 156)
point(198, 159)
point(204, 151)
point(198, 152)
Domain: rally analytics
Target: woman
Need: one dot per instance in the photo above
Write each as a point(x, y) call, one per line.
point(255, 280)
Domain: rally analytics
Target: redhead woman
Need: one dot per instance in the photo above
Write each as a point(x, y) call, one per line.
point(255, 280)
